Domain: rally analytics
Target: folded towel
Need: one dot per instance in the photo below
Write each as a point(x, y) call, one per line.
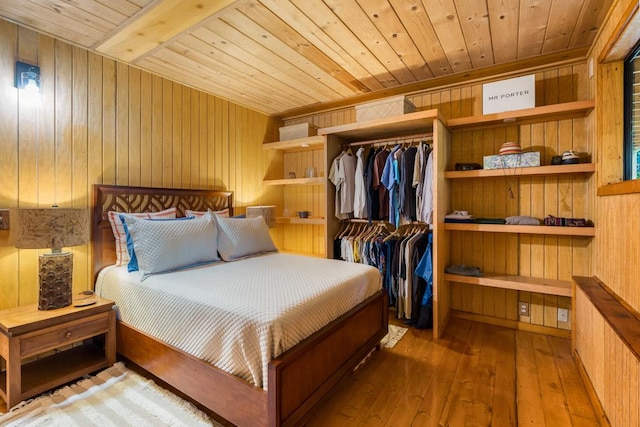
point(522, 220)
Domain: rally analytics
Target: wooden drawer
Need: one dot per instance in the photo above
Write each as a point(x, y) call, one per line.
point(63, 334)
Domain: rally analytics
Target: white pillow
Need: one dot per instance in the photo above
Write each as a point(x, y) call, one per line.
point(122, 255)
point(242, 237)
point(223, 213)
point(162, 246)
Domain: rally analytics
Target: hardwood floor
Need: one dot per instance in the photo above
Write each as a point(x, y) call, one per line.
point(476, 375)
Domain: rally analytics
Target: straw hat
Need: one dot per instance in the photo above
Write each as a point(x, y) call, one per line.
point(510, 148)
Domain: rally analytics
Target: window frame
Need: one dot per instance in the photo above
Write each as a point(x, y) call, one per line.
point(634, 55)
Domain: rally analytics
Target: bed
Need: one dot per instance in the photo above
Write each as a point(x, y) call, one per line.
point(294, 381)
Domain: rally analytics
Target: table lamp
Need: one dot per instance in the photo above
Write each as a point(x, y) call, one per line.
point(53, 228)
point(267, 212)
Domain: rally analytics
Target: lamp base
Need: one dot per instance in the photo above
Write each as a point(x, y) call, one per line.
point(55, 280)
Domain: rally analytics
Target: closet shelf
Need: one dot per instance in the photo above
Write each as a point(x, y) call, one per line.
point(314, 220)
point(395, 126)
point(528, 171)
point(518, 283)
point(295, 181)
point(522, 229)
point(567, 110)
point(299, 144)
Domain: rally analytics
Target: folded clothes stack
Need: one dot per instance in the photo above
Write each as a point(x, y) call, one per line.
point(458, 216)
point(522, 220)
point(463, 270)
point(567, 222)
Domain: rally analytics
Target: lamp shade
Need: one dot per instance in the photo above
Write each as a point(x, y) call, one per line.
point(53, 228)
point(267, 212)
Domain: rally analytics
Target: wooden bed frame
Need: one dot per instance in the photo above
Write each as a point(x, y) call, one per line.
point(297, 379)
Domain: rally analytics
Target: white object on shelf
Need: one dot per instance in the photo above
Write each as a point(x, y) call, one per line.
point(301, 130)
point(394, 106)
point(508, 95)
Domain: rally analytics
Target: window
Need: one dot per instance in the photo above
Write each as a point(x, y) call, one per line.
point(632, 114)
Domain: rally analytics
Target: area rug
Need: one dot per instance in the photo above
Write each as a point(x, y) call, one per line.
point(393, 336)
point(116, 396)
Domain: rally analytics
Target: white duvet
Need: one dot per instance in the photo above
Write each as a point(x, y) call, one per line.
point(239, 315)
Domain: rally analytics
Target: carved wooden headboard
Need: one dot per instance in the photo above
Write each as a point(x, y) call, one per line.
point(143, 199)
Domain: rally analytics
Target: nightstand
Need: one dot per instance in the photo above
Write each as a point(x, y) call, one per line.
point(26, 332)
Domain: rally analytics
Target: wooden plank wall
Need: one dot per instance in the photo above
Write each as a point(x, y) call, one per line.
point(612, 370)
point(99, 121)
point(538, 256)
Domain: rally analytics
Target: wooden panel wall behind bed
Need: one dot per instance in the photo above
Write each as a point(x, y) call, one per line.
point(98, 121)
point(297, 379)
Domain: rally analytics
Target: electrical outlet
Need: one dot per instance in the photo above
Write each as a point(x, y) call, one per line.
point(523, 308)
point(563, 315)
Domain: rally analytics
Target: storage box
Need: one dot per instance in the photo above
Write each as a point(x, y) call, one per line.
point(301, 130)
point(394, 106)
point(512, 161)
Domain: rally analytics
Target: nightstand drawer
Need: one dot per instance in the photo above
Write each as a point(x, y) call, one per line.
point(64, 334)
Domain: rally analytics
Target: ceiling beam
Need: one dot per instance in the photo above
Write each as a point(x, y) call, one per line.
point(155, 25)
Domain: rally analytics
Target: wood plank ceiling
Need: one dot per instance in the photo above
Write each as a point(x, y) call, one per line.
point(284, 57)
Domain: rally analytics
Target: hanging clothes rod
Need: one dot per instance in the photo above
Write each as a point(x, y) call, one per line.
point(384, 141)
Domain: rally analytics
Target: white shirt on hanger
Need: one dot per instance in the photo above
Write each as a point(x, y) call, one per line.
point(360, 195)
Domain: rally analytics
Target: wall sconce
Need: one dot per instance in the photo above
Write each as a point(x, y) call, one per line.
point(28, 77)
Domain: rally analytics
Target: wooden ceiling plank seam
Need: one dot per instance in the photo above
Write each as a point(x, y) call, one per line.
point(308, 29)
point(591, 15)
point(267, 82)
point(272, 64)
point(503, 22)
point(220, 89)
point(561, 25)
point(275, 25)
point(124, 7)
point(442, 15)
point(158, 23)
point(88, 20)
point(414, 18)
point(40, 19)
point(535, 13)
point(271, 42)
point(337, 31)
point(386, 20)
point(261, 85)
point(474, 21)
point(96, 9)
point(257, 84)
point(359, 23)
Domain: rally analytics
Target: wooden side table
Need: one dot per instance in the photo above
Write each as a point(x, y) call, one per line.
point(25, 332)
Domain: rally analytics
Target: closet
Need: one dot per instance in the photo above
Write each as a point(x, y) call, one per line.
point(403, 256)
point(428, 124)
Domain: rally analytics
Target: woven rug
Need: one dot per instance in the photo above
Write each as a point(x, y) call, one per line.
point(114, 397)
point(393, 336)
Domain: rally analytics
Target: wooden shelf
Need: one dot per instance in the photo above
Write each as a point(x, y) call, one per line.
point(528, 171)
point(299, 144)
point(522, 229)
point(314, 220)
point(567, 110)
point(295, 181)
point(518, 283)
point(406, 124)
